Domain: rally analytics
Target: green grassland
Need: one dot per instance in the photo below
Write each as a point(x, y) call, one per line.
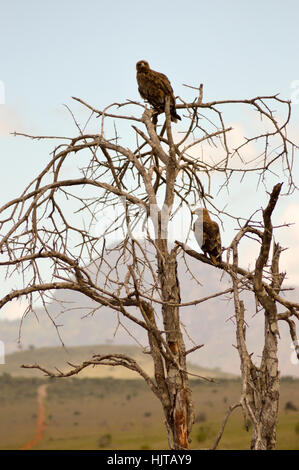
point(107, 413)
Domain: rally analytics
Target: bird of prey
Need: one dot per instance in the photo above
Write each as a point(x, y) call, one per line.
point(207, 235)
point(154, 87)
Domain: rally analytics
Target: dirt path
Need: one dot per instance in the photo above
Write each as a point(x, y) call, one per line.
point(40, 425)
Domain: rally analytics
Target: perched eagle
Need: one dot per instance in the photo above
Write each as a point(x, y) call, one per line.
point(154, 87)
point(207, 235)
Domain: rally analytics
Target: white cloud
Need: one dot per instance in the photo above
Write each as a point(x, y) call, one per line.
point(10, 120)
point(215, 153)
point(289, 238)
point(13, 310)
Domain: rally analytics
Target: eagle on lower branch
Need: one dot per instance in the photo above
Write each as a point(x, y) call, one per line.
point(154, 87)
point(207, 235)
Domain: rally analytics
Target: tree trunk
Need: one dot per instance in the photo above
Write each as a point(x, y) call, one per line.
point(260, 385)
point(266, 394)
point(179, 411)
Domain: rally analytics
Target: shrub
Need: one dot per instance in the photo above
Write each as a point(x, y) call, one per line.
point(200, 417)
point(202, 433)
point(105, 440)
point(289, 406)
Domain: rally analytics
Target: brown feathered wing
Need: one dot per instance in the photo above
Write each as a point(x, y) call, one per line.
point(154, 87)
point(207, 235)
point(211, 242)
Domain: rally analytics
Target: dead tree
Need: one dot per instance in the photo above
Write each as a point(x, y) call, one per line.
point(45, 240)
point(260, 383)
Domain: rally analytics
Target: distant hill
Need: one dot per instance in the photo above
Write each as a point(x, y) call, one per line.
point(210, 323)
point(58, 357)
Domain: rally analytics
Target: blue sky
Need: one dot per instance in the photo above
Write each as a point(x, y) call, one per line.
point(54, 50)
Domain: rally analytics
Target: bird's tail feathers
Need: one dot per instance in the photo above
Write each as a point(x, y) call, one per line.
point(174, 116)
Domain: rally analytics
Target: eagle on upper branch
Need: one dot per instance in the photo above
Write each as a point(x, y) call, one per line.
point(154, 87)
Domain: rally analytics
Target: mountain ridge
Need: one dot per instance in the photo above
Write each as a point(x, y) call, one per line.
point(51, 357)
point(210, 323)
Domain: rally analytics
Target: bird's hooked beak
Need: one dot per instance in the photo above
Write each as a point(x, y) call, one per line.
point(142, 64)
